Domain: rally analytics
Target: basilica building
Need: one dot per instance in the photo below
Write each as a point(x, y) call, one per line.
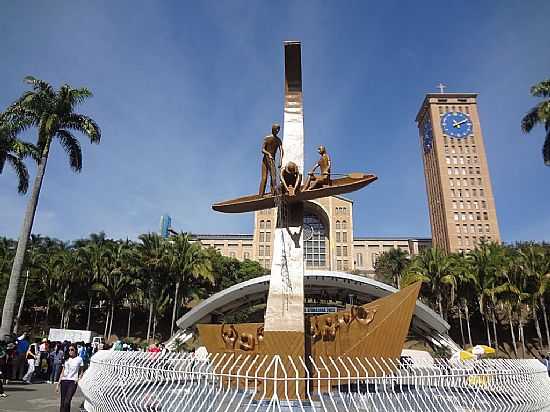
point(329, 241)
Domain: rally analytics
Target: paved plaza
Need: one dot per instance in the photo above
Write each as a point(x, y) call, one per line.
point(36, 397)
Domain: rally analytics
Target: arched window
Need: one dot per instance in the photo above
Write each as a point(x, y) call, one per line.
point(337, 224)
point(343, 224)
point(268, 224)
point(262, 224)
point(315, 246)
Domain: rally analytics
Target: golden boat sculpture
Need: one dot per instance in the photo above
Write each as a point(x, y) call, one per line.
point(350, 183)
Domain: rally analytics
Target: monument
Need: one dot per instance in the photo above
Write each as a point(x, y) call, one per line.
point(376, 329)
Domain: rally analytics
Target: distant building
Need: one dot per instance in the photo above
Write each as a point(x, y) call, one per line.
point(329, 242)
point(460, 196)
point(165, 225)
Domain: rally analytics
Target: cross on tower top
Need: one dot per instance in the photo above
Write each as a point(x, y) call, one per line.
point(441, 87)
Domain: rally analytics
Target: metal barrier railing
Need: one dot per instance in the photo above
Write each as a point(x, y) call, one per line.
point(138, 381)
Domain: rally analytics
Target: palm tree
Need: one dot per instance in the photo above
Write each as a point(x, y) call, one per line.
point(393, 263)
point(97, 257)
point(434, 267)
point(188, 262)
point(534, 262)
point(52, 112)
point(13, 150)
point(117, 281)
point(154, 266)
point(484, 260)
point(463, 272)
point(540, 114)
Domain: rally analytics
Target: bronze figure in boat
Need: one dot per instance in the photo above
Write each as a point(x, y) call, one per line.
point(340, 186)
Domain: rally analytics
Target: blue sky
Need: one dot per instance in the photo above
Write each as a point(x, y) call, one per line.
point(184, 92)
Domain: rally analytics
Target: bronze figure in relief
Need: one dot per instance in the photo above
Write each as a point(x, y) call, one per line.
point(362, 315)
point(229, 336)
point(329, 329)
point(247, 342)
point(271, 144)
point(291, 179)
point(323, 179)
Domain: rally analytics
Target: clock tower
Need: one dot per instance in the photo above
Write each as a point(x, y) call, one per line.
point(460, 197)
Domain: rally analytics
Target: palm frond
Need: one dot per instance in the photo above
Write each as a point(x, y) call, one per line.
point(541, 89)
point(25, 149)
point(83, 124)
point(72, 148)
point(530, 120)
point(21, 172)
point(39, 85)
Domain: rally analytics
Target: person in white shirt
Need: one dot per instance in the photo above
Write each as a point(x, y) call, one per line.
point(70, 375)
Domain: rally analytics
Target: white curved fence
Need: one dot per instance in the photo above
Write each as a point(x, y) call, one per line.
point(137, 381)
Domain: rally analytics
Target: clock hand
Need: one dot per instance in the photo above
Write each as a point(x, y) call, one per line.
point(456, 124)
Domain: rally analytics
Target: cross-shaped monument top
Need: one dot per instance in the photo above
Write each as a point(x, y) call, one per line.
point(441, 87)
point(292, 160)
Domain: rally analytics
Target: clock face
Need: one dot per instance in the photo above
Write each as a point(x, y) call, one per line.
point(427, 135)
point(456, 124)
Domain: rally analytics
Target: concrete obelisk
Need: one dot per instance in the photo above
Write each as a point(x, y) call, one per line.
point(285, 302)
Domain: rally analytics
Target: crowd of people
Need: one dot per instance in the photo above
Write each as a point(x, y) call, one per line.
point(43, 360)
point(21, 359)
point(62, 363)
point(59, 363)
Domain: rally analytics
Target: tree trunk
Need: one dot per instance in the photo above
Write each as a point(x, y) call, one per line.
point(467, 312)
point(512, 332)
point(489, 342)
point(89, 313)
point(149, 323)
point(440, 305)
point(26, 228)
point(495, 329)
point(106, 325)
point(66, 319)
point(112, 317)
point(543, 305)
point(522, 338)
point(129, 320)
point(154, 326)
point(174, 310)
point(461, 328)
point(62, 318)
point(537, 327)
point(21, 303)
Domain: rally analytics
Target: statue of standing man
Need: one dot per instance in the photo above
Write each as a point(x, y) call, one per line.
point(271, 144)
